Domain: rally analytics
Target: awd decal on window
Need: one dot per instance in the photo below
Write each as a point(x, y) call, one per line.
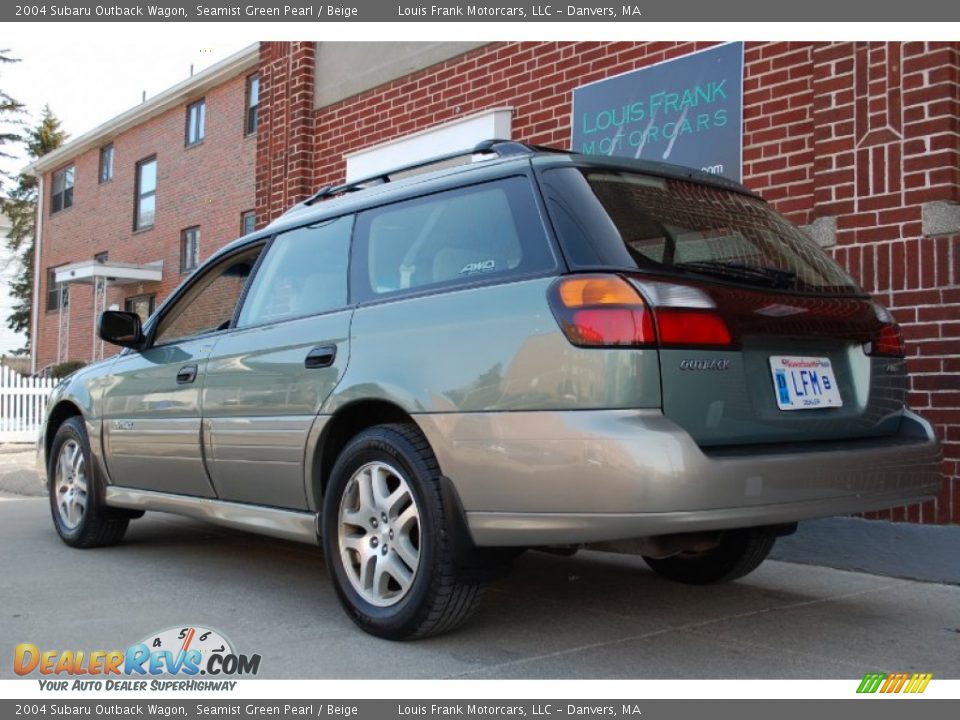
point(481, 266)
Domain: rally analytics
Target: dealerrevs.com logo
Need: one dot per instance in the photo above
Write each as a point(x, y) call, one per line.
point(186, 652)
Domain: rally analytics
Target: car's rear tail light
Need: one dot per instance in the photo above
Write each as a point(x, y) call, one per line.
point(888, 341)
point(609, 311)
point(601, 311)
point(691, 327)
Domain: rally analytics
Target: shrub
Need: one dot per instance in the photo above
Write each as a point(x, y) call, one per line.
point(66, 368)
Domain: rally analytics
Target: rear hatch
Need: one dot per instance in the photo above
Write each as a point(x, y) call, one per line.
point(805, 354)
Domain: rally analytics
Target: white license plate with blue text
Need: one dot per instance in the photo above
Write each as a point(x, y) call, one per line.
point(804, 383)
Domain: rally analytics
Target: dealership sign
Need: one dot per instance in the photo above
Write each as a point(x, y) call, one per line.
point(687, 111)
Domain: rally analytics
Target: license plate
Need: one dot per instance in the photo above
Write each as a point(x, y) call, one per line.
point(804, 383)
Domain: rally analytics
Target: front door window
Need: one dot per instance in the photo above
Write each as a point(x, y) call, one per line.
point(209, 302)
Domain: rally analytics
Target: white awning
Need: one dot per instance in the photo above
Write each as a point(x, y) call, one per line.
point(116, 273)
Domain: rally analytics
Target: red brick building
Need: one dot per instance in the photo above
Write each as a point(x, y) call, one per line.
point(859, 142)
point(130, 207)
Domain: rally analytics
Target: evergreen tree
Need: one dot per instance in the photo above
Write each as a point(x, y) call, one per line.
point(20, 206)
point(11, 113)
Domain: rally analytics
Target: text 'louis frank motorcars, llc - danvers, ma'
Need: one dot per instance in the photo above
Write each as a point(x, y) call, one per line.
point(524, 348)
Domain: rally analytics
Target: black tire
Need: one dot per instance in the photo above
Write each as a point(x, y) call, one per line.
point(98, 525)
point(738, 553)
point(442, 593)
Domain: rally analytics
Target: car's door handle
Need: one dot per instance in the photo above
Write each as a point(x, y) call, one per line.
point(186, 375)
point(321, 356)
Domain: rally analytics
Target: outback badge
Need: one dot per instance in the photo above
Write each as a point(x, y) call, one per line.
point(706, 364)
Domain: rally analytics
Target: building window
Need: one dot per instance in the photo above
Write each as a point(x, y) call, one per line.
point(248, 222)
point(142, 305)
point(145, 203)
point(106, 163)
point(53, 291)
point(102, 257)
point(196, 122)
point(62, 189)
point(253, 103)
point(189, 249)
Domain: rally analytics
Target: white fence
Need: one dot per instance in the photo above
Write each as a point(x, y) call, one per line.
point(23, 401)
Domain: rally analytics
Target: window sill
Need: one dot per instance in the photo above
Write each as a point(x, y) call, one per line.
point(145, 229)
point(53, 212)
point(191, 146)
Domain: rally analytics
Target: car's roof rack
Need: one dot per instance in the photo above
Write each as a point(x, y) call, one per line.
point(506, 148)
point(498, 147)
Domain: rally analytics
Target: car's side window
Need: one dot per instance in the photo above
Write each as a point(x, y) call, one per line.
point(303, 273)
point(209, 303)
point(459, 236)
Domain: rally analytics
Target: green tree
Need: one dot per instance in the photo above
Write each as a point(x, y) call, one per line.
point(11, 113)
point(20, 206)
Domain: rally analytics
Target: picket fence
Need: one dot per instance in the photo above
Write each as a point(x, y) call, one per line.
point(23, 401)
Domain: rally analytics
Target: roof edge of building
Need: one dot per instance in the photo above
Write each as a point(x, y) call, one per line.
point(239, 62)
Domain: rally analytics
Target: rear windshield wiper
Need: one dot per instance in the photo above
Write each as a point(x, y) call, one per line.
point(775, 277)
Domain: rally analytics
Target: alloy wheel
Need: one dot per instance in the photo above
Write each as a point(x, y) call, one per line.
point(71, 485)
point(379, 534)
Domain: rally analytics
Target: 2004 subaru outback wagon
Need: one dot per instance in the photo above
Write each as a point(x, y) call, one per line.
point(529, 349)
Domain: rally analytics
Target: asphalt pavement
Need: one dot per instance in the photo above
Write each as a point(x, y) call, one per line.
point(594, 615)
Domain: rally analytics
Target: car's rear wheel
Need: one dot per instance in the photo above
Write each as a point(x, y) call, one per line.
point(81, 518)
point(737, 553)
point(387, 540)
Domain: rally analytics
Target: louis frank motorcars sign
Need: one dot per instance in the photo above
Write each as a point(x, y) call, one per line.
point(687, 111)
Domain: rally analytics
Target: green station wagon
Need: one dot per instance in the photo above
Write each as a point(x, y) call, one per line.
point(431, 370)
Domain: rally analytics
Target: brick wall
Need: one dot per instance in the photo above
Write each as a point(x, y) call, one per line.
point(285, 160)
point(210, 185)
point(855, 140)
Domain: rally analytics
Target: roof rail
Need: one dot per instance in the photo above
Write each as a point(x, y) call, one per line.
point(498, 147)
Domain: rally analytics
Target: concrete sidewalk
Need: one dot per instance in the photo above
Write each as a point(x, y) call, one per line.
point(913, 552)
point(594, 615)
point(17, 470)
point(903, 550)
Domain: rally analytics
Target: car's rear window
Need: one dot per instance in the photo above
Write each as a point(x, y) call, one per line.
point(482, 233)
point(627, 220)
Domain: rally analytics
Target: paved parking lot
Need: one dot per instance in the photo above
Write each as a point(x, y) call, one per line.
point(590, 616)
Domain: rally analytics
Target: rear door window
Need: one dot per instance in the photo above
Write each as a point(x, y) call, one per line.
point(303, 273)
point(480, 233)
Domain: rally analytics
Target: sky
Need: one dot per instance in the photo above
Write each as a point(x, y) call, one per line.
point(86, 84)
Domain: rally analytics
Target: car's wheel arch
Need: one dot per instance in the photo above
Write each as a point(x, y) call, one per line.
point(359, 415)
point(59, 414)
point(346, 423)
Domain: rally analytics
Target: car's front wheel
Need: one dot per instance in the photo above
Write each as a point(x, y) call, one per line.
point(737, 553)
point(79, 513)
point(387, 541)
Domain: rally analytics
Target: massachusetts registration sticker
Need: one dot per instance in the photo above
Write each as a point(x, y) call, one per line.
point(804, 383)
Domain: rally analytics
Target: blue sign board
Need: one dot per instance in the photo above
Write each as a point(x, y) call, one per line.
point(686, 111)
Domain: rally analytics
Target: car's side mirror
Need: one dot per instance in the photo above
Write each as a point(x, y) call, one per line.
point(121, 328)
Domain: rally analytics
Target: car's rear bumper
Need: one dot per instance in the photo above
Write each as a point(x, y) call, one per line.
point(544, 478)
